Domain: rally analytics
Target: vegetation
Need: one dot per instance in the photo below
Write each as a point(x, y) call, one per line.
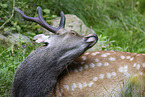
point(121, 21)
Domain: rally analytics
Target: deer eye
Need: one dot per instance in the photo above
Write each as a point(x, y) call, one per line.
point(73, 33)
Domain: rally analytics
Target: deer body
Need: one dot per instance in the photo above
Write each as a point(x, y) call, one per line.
point(103, 74)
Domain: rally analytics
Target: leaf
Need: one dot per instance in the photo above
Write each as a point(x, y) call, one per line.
point(6, 29)
point(46, 11)
point(18, 27)
point(4, 5)
point(13, 28)
point(54, 16)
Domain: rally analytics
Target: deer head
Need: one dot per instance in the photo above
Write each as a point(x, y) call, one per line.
point(37, 75)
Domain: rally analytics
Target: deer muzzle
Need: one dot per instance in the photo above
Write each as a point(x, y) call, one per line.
point(91, 39)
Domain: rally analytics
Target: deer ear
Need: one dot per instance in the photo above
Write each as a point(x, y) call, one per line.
point(40, 38)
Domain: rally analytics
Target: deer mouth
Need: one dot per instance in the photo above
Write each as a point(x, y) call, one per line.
point(91, 39)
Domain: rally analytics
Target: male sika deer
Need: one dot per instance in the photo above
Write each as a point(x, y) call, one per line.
point(37, 75)
point(103, 73)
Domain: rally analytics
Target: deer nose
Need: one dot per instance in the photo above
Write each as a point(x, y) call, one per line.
point(91, 38)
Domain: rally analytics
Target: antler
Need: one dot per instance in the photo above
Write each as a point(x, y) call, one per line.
point(42, 22)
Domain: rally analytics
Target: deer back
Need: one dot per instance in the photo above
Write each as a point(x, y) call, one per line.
point(104, 74)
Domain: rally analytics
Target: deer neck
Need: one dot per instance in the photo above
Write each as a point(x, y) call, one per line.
point(42, 70)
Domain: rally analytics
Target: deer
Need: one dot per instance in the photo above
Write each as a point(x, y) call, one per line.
point(37, 75)
point(101, 74)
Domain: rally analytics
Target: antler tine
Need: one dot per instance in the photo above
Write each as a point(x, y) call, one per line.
point(41, 21)
point(62, 21)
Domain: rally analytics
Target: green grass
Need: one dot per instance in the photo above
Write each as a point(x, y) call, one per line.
point(10, 58)
point(122, 22)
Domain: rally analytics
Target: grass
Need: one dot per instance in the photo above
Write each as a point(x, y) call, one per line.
point(10, 58)
point(122, 22)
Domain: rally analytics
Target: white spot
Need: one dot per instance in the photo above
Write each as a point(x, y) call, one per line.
point(81, 69)
point(99, 64)
point(125, 68)
point(84, 84)
point(96, 60)
point(75, 70)
point(141, 73)
point(85, 66)
point(95, 53)
point(101, 76)
point(86, 53)
point(84, 58)
point(82, 62)
point(143, 65)
point(113, 73)
point(73, 86)
point(122, 57)
point(108, 75)
point(104, 55)
point(66, 87)
point(106, 64)
point(95, 78)
point(134, 65)
point(131, 59)
point(92, 65)
point(128, 57)
point(112, 59)
point(90, 84)
point(138, 66)
point(80, 85)
point(121, 69)
point(108, 54)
